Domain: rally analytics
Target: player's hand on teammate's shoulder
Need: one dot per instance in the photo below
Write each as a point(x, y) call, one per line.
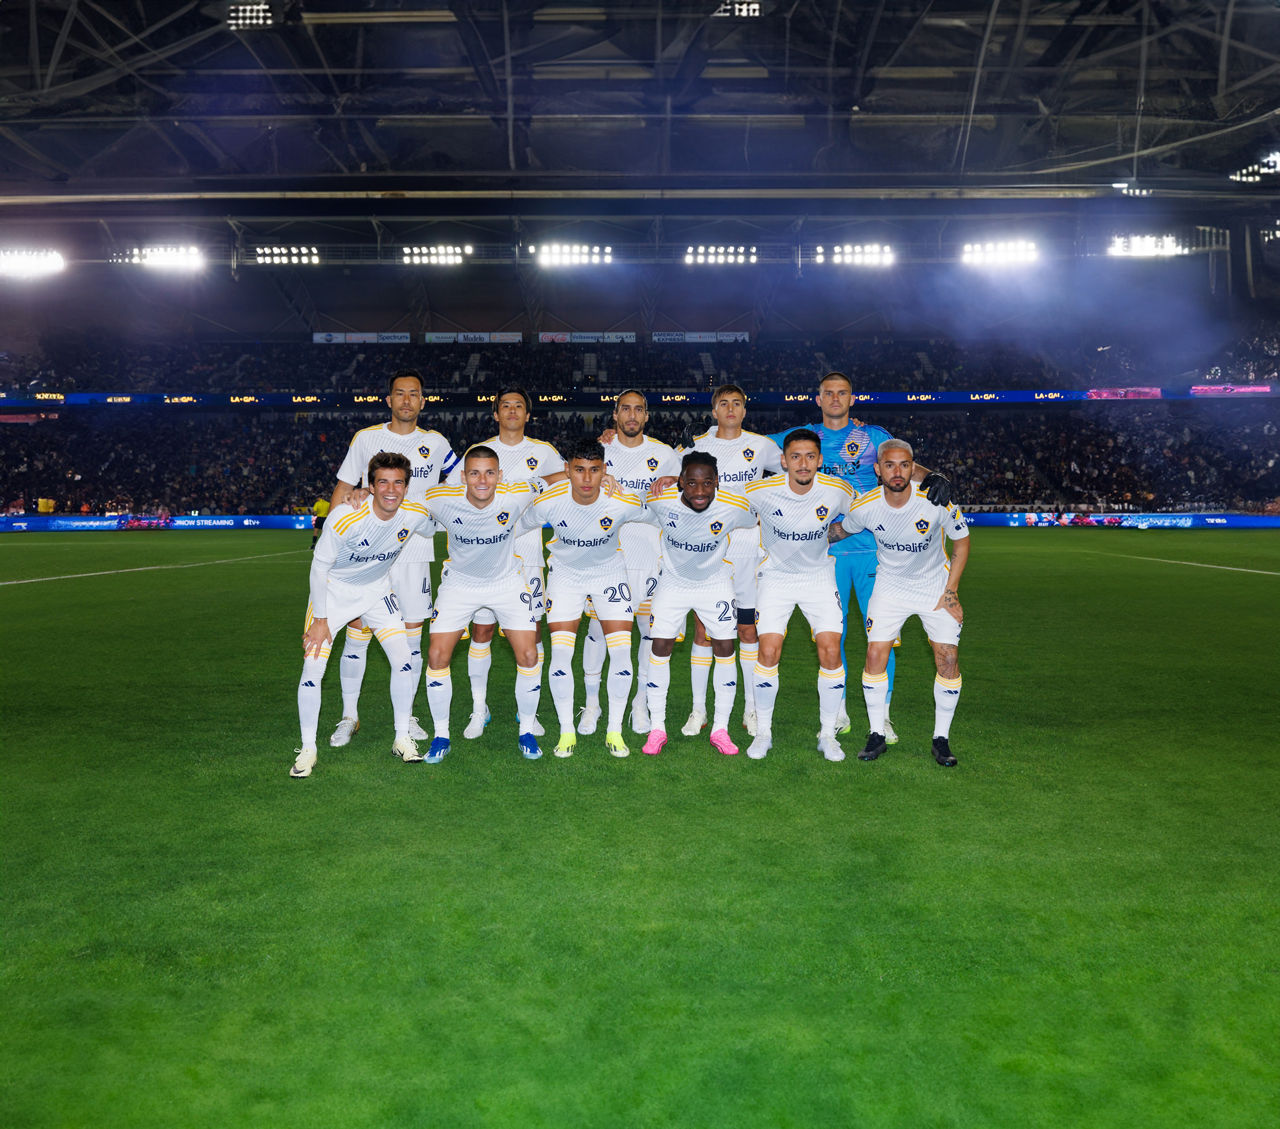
point(607, 436)
point(357, 495)
point(660, 484)
point(609, 485)
point(937, 488)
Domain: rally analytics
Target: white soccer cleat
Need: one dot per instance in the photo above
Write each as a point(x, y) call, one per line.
point(416, 731)
point(588, 719)
point(536, 728)
point(696, 723)
point(305, 762)
point(829, 747)
point(343, 732)
point(640, 716)
point(890, 737)
point(406, 750)
point(759, 748)
point(475, 727)
point(749, 722)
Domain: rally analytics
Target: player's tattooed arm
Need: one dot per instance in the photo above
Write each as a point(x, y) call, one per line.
point(949, 601)
point(837, 532)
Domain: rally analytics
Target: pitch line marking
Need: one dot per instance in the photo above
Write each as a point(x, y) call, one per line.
point(150, 568)
point(1191, 564)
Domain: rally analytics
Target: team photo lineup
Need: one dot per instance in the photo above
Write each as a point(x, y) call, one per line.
point(739, 528)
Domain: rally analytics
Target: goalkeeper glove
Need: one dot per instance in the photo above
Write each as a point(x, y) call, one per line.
point(937, 488)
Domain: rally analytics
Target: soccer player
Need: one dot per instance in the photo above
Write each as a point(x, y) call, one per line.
point(636, 461)
point(587, 564)
point(696, 519)
point(914, 577)
point(483, 571)
point(741, 457)
point(849, 452)
point(795, 513)
point(521, 459)
point(350, 579)
point(430, 457)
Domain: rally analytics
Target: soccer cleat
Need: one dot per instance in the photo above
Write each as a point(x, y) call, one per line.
point(475, 727)
point(416, 731)
point(890, 734)
point(942, 753)
point(829, 747)
point(438, 751)
point(616, 745)
point(843, 724)
point(407, 750)
point(640, 715)
point(305, 762)
point(721, 742)
point(697, 719)
point(567, 743)
point(654, 743)
point(588, 719)
point(759, 748)
point(749, 722)
point(873, 748)
point(344, 731)
point(529, 747)
point(536, 728)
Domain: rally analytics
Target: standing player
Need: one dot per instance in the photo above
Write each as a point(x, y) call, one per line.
point(521, 459)
point(914, 578)
point(430, 457)
point(741, 457)
point(482, 571)
point(636, 461)
point(350, 580)
point(587, 565)
point(849, 452)
point(696, 519)
point(795, 512)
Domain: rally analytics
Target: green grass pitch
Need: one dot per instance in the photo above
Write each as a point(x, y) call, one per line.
point(1076, 927)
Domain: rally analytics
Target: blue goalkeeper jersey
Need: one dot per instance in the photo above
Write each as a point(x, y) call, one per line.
point(848, 453)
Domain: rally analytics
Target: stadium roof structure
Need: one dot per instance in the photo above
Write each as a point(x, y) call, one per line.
point(346, 122)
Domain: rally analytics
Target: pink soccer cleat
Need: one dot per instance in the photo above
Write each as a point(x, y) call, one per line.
point(721, 743)
point(654, 743)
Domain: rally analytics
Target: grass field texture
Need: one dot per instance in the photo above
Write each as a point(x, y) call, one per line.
point(1075, 927)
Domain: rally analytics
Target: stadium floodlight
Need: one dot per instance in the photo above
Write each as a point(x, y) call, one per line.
point(1128, 188)
point(162, 258)
point(1005, 252)
point(1147, 246)
point(856, 254)
point(249, 17)
point(570, 254)
point(280, 256)
point(435, 255)
point(1253, 174)
point(708, 254)
point(20, 263)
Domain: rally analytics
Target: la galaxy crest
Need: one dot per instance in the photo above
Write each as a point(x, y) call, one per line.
point(531, 462)
point(503, 518)
point(651, 463)
point(821, 513)
point(424, 451)
point(606, 523)
point(922, 526)
point(716, 527)
point(402, 534)
point(748, 453)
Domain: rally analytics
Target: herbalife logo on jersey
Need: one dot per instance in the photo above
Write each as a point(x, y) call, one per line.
point(922, 526)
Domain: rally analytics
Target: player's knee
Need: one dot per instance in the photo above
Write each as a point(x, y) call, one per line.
point(747, 625)
point(722, 648)
point(771, 650)
point(663, 647)
point(483, 632)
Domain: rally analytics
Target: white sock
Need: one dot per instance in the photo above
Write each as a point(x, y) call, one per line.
point(726, 691)
point(946, 696)
point(747, 655)
point(766, 687)
point(528, 691)
point(413, 636)
point(561, 677)
point(594, 647)
point(404, 678)
point(657, 685)
point(699, 672)
point(439, 699)
point(479, 660)
point(830, 697)
point(642, 657)
point(620, 677)
point(874, 689)
point(309, 696)
point(355, 653)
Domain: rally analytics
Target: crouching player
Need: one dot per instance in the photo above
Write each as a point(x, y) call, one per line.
point(587, 564)
point(913, 577)
point(696, 519)
point(350, 579)
point(795, 513)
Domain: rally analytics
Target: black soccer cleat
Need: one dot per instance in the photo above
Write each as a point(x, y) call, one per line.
point(875, 745)
point(942, 753)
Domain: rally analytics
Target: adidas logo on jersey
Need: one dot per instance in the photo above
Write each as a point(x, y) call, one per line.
point(562, 525)
point(363, 544)
point(777, 513)
point(457, 521)
point(879, 528)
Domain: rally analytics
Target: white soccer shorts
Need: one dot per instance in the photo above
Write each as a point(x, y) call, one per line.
point(745, 558)
point(533, 581)
point(507, 602)
point(888, 609)
point(411, 582)
point(375, 604)
point(568, 592)
point(815, 594)
point(712, 600)
point(642, 575)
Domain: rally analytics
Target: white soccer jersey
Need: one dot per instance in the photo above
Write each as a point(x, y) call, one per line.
point(693, 542)
point(910, 554)
point(738, 462)
point(586, 537)
point(482, 540)
point(636, 468)
point(793, 527)
point(520, 462)
point(358, 548)
point(429, 455)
